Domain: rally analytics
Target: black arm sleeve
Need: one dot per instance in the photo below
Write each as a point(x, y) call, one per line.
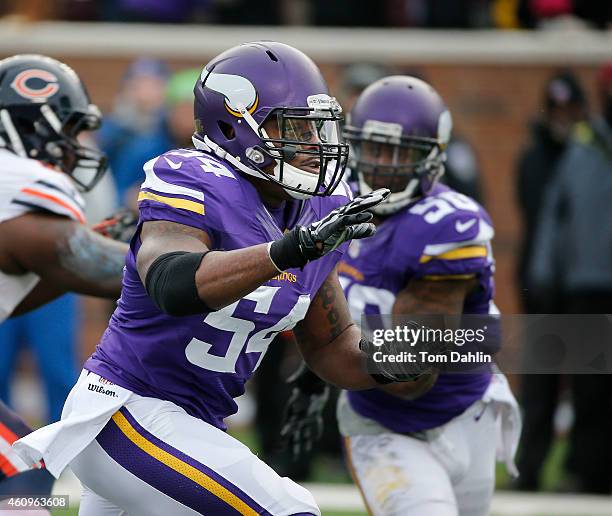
point(170, 283)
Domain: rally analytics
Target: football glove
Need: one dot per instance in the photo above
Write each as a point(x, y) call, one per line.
point(120, 226)
point(303, 420)
point(306, 243)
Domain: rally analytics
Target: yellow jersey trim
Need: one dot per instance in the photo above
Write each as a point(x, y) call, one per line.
point(475, 251)
point(183, 204)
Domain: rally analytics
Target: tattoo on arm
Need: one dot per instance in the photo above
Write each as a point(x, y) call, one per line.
point(328, 298)
point(90, 256)
point(328, 317)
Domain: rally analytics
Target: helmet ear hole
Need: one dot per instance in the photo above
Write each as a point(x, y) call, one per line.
point(226, 129)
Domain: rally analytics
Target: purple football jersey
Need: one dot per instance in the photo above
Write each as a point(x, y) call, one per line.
point(443, 235)
point(202, 362)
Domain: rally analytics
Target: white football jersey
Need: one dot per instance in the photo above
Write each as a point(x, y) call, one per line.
point(27, 185)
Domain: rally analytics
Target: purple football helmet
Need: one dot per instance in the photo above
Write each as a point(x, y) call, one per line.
point(397, 131)
point(271, 84)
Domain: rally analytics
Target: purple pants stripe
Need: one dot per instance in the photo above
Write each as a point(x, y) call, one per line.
point(164, 478)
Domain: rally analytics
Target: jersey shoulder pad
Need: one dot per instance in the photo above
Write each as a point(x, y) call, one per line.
point(187, 186)
point(454, 233)
point(28, 185)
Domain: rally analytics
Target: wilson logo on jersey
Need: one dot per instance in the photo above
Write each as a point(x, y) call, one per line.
point(36, 85)
point(101, 390)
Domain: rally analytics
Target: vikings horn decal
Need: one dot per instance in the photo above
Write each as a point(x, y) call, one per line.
point(35, 85)
point(239, 92)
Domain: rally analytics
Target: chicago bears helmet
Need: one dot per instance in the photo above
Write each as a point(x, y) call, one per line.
point(43, 108)
point(398, 131)
point(263, 105)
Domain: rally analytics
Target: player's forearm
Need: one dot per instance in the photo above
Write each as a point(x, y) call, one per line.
point(90, 264)
point(224, 277)
point(341, 362)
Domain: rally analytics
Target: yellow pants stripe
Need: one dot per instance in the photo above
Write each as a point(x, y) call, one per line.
point(181, 467)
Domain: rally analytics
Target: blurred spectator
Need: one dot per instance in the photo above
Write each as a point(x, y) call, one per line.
point(596, 12)
point(153, 11)
point(179, 104)
point(29, 10)
point(349, 13)
point(535, 13)
point(131, 134)
point(563, 106)
point(457, 14)
point(572, 246)
point(241, 12)
point(162, 118)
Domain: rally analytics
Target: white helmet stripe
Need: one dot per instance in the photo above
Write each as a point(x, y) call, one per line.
point(9, 127)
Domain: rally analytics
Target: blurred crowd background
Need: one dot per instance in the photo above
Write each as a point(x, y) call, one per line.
point(532, 142)
point(459, 14)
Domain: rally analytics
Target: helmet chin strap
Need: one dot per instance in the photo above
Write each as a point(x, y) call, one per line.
point(297, 178)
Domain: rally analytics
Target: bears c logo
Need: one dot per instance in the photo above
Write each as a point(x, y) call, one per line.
point(36, 85)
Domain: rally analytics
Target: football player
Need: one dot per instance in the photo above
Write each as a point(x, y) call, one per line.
point(429, 446)
point(45, 247)
point(238, 240)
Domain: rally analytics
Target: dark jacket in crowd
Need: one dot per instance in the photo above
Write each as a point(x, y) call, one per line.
point(536, 168)
point(574, 237)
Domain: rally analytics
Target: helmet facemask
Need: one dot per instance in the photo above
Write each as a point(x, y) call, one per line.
point(46, 137)
point(383, 158)
point(300, 144)
point(308, 158)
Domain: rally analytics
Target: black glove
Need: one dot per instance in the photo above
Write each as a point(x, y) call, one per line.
point(303, 421)
point(306, 243)
point(120, 226)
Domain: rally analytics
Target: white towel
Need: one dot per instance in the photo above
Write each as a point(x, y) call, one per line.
point(508, 420)
point(89, 406)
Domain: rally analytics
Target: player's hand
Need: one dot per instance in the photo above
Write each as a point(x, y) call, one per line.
point(303, 420)
point(306, 243)
point(120, 226)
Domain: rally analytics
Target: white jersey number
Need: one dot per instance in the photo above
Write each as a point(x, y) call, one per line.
point(358, 296)
point(435, 208)
point(198, 351)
